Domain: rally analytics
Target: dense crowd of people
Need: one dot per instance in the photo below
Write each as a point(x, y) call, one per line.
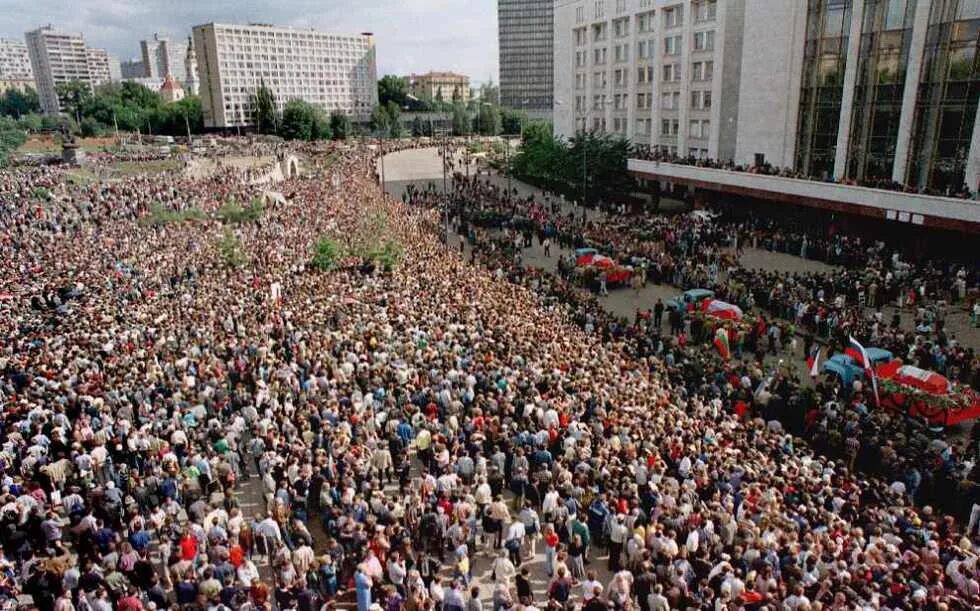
point(658, 154)
point(416, 436)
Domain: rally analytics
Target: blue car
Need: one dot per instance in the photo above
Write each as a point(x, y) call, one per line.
point(847, 369)
point(695, 296)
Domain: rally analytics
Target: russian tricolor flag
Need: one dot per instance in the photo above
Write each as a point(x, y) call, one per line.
point(867, 365)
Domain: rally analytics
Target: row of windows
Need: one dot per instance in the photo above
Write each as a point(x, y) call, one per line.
point(706, 10)
point(702, 71)
point(700, 100)
point(703, 41)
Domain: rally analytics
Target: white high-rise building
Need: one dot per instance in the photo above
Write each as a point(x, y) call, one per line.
point(56, 57)
point(102, 67)
point(333, 71)
point(15, 61)
point(162, 56)
point(658, 72)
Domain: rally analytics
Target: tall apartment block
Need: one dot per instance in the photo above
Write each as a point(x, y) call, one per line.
point(526, 31)
point(162, 56)
point(59, 57)
point(335, 72)
point(659, 72)
point(15, 61)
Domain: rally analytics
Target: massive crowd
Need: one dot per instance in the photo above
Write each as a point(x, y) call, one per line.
point(405, 428)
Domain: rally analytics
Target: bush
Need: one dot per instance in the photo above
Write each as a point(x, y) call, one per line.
point(231, 249)
point(161, 215)
point(234, 213)
point(91, 128)
point(326, 254)
point(386, 255)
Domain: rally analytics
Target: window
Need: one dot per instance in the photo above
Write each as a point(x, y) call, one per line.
point(599, 56)
point(620, 101)
point(580, 14)
point(641, 50)
point(643, 126)
point(580, 37)
point(704, 41)
point(700, 128)
point(643, 101)
point(673, 17)
point(703, 71)
point(599, 80)
point(620, 6)
point(620, 78)
point(705, 11)
point(701, 100)
point(645, 3)
point(598, 32)
point(644, 22)
point(672, 72)
point(969, 9)
point(580, 81)
point(621, 27)
point(644, 75)
point(579, 59)
point(669, 127)
point(600, 9)
point(670, 100)
point(622, 53)
point(672, 45)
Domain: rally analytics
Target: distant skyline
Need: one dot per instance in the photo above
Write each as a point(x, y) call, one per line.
point(411, 35)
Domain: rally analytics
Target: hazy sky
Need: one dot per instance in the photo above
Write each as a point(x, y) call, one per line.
point(411, 35)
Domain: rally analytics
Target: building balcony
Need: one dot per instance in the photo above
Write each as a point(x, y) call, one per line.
point(895, 206)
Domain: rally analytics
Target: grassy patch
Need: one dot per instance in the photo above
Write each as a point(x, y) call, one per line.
point(235, 213)
point(161, 215)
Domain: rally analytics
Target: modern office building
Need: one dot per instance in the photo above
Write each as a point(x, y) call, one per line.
point(58, 57)
point(441, 86)
point(132, 69)
point(526, 32)
point(15, 61)
point(854, 90)
point(659, 72)
point(333, 71)
point(162, 56)
point(873, 89)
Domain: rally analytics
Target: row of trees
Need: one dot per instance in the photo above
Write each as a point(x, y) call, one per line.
point(299, 120)
point(589, 164)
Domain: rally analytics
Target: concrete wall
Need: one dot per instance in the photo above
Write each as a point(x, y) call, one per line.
point(769, 92)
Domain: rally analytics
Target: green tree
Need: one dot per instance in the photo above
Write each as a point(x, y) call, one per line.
point(439, 99)
point(512, 120)
point(72, 95)
point(393, 88)
point(326, 254)
point(461, 121)
point(297, 120)
point(394, 118)
point(14, 103)
point(11, 137)
point(488, 120)
point(231, 250)
point(266, 116)
point(341, 126)
point(380, 120)
point(490, 93)
point(419, 127)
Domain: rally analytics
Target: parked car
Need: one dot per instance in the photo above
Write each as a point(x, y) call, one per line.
point(690, 299)
point(848, 367)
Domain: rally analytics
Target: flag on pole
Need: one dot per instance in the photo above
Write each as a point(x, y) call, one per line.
point(815, 366)
point(721, 342)
point(868, 366)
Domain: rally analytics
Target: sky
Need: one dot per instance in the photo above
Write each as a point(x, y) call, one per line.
point(410, 35)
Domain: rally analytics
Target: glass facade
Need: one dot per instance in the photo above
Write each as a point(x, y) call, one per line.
point(949, 89)
point(886, 37)
point(526, 38)
point(824, 62)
